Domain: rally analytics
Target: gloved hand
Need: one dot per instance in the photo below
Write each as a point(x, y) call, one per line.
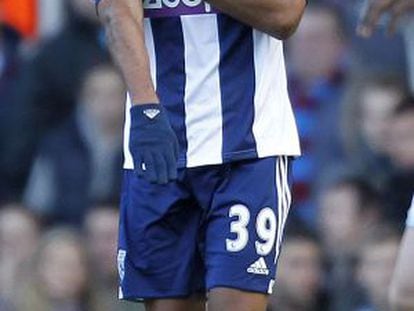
point(153, 144)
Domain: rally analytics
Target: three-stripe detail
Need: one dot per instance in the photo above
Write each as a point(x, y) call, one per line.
point(284, 199)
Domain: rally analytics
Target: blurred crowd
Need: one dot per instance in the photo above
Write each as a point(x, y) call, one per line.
point(61, 119)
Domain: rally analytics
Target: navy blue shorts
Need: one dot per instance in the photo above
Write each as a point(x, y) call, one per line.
point(216, 226)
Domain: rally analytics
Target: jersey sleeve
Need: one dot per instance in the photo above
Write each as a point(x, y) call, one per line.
point(410, 218)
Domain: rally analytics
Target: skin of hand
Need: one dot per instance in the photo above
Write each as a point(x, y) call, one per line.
point(377, 9)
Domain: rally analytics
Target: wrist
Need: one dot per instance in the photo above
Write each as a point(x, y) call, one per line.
point(147, 102)
point(146, 97)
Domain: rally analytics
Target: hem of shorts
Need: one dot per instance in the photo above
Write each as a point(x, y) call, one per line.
point(237, 287)
point(142, 298)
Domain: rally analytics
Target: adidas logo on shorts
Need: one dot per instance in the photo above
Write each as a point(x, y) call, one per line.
point(259, 267)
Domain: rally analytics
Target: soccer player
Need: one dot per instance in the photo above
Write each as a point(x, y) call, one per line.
point(402, 287)
point(208, 137)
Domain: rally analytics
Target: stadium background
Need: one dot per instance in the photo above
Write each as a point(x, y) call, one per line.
point(59, 178)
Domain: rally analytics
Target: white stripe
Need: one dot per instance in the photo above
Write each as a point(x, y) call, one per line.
point(287, 192)
point(128, 161)
point(274, 126)
point(284, 201)
point(284, 190)
point(149, 42)
point(202, 92)
point(279, 207)
point(270, 287)
point(287, 182)
point(120, 293)
point(285, 197)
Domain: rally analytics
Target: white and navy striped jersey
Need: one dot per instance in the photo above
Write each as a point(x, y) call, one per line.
point(222, 83)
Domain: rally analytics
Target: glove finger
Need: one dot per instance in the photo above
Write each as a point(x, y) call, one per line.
point(161, 168)
point(150, 173)
point(171, 161)
point(139, 165)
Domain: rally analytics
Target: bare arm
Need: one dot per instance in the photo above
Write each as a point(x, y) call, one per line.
point(123, 22)
point(402, 287)
point(279, 18)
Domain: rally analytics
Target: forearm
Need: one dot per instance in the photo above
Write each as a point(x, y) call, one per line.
point(123, 22)
point(279, 18)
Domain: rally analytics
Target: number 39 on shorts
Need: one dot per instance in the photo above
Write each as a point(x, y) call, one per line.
point(266, 226)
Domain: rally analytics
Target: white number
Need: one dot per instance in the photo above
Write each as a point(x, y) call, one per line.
point(266, 226)
point(171, 3)
point(192, 3)
point(266, 230)
point(239, 227)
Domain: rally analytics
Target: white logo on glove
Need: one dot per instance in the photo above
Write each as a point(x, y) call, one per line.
point(152, 113)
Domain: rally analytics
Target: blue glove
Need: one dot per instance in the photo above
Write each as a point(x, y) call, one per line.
point(153, 144)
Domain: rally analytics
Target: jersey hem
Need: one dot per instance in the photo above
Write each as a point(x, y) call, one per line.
point(230, 157)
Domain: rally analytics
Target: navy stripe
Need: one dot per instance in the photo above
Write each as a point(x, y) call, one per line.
point(237, 79)
point(170, 62)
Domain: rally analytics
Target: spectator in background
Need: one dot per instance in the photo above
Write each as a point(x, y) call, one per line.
point(6, 306)
point(59, 280)
point(392, 15)
point(19, 234)
point(47, 91)
point(9, 63)
point(79, 162)
point(368, 109)
point(101, 229)
point(376, 262)
point(380, 51)
point(316, 88)
point(300, 276)
point(349, 209)
point(9, 67)
point(409, 42)
point(400, 148)
point(21, 15)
